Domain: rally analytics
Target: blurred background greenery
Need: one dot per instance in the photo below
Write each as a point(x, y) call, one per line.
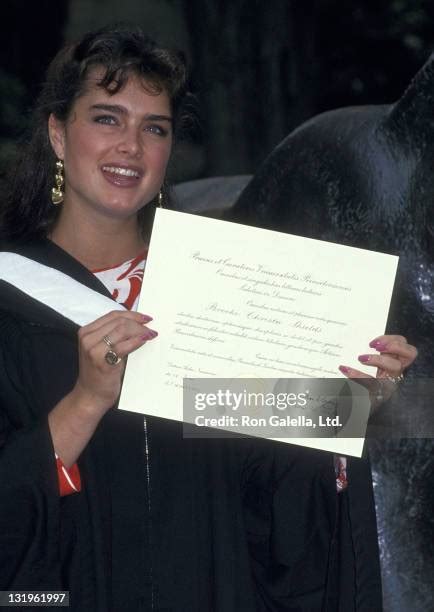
point(258, 68)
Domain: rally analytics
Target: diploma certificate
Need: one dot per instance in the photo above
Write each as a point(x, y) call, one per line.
point(232, 301)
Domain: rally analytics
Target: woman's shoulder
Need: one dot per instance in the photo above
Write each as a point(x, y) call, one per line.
point(25, 278)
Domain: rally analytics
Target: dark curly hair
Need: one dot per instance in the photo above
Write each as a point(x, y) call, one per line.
point(122, 51)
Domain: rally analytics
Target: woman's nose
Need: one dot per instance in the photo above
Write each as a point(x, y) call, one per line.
point(130, 142)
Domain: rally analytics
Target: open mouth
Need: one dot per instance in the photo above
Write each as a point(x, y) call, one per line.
point(121, 171)
point(121, 176)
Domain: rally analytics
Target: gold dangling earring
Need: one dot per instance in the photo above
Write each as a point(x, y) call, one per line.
point(160, 199)
point(56, 192)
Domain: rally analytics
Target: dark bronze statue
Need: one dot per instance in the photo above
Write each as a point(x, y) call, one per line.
point(363, 176)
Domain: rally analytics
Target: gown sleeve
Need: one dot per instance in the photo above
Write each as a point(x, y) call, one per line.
point(290, 506)
point(29, 501)
point(311, 548)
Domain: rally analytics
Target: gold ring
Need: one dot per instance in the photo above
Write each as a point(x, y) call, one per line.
point(107, 340)
point(395, 379)
point(112, 358)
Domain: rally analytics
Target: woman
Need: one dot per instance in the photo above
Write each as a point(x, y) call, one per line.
point(120, 510)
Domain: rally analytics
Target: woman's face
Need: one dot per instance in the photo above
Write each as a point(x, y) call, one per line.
point(115, 148)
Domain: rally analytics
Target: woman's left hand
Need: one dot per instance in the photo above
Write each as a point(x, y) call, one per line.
point(393, 357)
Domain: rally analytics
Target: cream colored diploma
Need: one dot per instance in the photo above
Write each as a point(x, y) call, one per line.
point(232, 301)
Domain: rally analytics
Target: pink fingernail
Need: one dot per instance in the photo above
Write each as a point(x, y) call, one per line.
point(378, 345)
point(344, 369)
point(364, 358)
point(150, 335)
point(146, 318)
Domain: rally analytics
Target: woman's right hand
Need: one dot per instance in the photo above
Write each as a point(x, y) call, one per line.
point(74, 419)
point(98, 381)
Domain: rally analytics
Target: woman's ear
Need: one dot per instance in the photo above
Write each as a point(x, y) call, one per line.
point(56, 133)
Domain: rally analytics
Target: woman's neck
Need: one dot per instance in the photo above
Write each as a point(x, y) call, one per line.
point(98, 245)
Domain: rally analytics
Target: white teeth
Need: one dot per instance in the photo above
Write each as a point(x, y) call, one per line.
point(121, 171)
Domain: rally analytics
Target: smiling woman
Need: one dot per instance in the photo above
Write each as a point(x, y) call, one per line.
point(115, 148)
point(113, 103)
point(116, 508)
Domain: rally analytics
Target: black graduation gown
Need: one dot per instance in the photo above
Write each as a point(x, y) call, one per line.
point(164, 523)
